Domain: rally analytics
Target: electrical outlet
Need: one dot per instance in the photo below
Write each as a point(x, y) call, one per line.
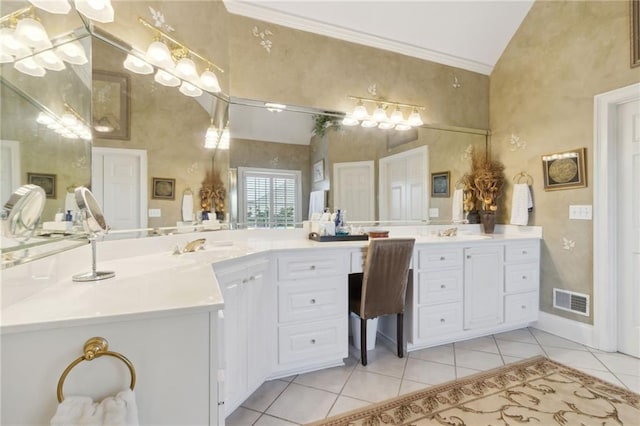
point(434, 212)
point(580, 212)
point(154, 213)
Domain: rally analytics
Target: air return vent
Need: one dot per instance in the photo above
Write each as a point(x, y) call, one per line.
point(570, 301)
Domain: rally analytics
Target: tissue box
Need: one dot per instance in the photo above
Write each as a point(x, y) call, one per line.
point(57, 226)
point(323, 228)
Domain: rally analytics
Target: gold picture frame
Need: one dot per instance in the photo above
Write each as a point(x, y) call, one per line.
point(44, 181)
point(634, 9)
point(111, 107)
point(440, 184)
point(564, 170)
point(163, 188)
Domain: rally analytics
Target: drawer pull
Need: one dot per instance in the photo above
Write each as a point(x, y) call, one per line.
point(524, 252)
point(524, 306)
point(313, 341)
point(313, 267)
point(312, 301)
point(468, 256)
point(443, 286)
point(441, 257)
point(252, 278)
point(244, 281)
point(524, 277)
point(442, 320)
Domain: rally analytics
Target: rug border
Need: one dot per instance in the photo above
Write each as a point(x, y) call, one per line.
point(442, 387)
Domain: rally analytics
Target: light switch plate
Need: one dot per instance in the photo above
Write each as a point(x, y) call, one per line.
point(434, 212)
point(580, 212)
point(154, 213)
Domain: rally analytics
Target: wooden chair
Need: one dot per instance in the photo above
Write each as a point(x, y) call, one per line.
point(381, 288)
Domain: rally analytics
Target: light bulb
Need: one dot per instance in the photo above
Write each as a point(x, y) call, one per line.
point(54, 126)
point(402, 127)
point(44, 119)
point(225, 138)
point(97, 10)
point(158, 54)
point(137, 65)
point(5, 58)
point(32, 33)
point(69, 119)
point(52, 6)
point(72, 52)
point(397, 117)
point(379, 114)
point(189, 89)
point(386, 125)
point(50, 60)
point(166, 79)
point(360, 112)
point(209, 81)
point(415, 119)
point(350, 121)
point(369, 123)
point(11, 45)
point(186, 70)
point(30, 67)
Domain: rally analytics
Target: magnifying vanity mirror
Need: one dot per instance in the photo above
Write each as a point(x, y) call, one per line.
point(21, 214)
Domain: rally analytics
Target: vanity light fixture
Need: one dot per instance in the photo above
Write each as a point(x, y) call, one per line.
point(380, 114)
point(186, 70)
point(5, 58)
point(369, 123)
point(189, 89)
point(402, 127)
point(71, 125)
point(349, 121)
point(379, 117)
point(225, 138)
point(158, 54)
point(386, 125)
point(209, 81)
point(414, 119)
point(166, 79)
point(30, 67)
point(10, 44)
point(61, 7)
point(397, 116)
point(32, 34)
point(211, 137)
point(96, 10)
point(134, 64)
point(72, 52)
point(49, 60)
point(103, 125)
point(360, 112)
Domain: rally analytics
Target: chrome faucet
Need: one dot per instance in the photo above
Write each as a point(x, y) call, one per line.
point(451, 232)
point(191, 246)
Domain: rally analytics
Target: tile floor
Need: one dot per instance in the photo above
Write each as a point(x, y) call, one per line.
point(313, 396)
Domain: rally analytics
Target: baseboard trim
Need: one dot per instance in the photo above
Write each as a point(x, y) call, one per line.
point(568, 329)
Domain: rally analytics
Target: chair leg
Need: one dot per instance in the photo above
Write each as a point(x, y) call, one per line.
point(363, 341)
point(399, 336)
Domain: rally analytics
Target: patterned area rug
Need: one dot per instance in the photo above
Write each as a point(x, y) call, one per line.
point(537, 391)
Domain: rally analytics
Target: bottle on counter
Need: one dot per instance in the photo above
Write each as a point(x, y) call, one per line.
point(69, 216)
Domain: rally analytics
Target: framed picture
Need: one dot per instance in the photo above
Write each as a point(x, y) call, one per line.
point(44, 181)
point(110, 105)
point(440, 184)
point(318, 171)
point(634, 7)
point(164, 188)
point(564, 170)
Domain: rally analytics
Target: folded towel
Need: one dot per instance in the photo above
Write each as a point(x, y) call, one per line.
point(119, 410)
point(521, 204)
point(457, 214)
point(316, 202)
point(187, 208)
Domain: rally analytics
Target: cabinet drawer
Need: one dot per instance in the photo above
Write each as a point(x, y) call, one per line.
point(312, 300)
point(434, 321)
point(440, 286)
point(439, 258)
point(318, 265)
point(313, 340)
point(521, 277)
point(516, 252)
point(521, 307)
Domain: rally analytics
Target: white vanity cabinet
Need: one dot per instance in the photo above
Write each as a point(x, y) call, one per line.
point(522, 278)
point(248, 327)
point(483, 281)
point(312, 324)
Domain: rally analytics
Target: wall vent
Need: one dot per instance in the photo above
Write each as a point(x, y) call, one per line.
point(571, 301)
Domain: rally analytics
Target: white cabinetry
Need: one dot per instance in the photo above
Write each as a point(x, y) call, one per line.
point(521, 285)
point(248, 328)
point(312, 310)
point(483, 281)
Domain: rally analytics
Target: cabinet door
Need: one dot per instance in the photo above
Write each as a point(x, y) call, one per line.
point(261, 326)
point(483, 284)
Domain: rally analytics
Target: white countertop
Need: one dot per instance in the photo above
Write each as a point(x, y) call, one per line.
point(151, 281)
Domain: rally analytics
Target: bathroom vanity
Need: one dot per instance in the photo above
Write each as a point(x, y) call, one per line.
point(204, 330)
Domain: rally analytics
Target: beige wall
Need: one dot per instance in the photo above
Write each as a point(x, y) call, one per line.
point(542, 91)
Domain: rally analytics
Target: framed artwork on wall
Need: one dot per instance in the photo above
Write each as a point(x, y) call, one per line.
point(564, 170)
point(634, 8)
point(44, 181)
point(440, 184)
point(318, 171)
point(164, 189)
point(110, 105)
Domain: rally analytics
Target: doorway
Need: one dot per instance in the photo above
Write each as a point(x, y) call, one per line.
point(354, 190)
point(616, 225)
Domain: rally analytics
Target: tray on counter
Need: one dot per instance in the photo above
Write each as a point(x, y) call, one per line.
point(325, 238)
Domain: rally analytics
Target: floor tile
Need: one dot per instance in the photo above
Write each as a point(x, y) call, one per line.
point(408, 386)
point(546, 339)
point(288, 378)
point(301, 404)
point(477, 360)
point(429, 372)
point(442, 354)
point(383, 361)
point(521, 335)
point(267, 420)
point(632, 382)
point(510, 359)
point(330, 379)
point(519, 349)
point(265, 395)
point(345, 403)
point(575, 359)
point(607, 376)
point(482, 344)
point(242, 417)
point(619, 363)
point(371, 387)
point(464, 372)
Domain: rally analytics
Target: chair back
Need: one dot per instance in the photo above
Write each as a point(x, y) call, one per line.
point(386, 272)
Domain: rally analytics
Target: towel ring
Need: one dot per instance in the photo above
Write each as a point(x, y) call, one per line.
point(95, 348)
point(518, 177)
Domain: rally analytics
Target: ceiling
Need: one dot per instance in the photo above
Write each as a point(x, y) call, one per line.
point(468, 34)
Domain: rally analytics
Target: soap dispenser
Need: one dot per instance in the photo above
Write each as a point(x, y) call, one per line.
point(69, 216)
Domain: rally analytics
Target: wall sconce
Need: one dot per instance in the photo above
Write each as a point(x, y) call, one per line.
point(175, 64)
point(380, 119)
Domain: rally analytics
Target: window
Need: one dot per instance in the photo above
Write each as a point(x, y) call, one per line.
point(269, 198)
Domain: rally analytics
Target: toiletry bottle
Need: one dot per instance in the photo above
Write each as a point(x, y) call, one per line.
point(69, 216)
point(338, 219)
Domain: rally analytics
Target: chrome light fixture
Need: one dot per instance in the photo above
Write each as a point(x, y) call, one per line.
point(97, 10)
point(137, 65)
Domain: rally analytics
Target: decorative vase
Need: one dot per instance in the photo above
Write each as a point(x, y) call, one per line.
point(488, 220)
point(473, 216)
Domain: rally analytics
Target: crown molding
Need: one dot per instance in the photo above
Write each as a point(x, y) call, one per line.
point(251, 10)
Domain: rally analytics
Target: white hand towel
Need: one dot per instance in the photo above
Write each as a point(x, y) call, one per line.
point(316, 202)
point(457, 214)
point(521, 204)
point(119, 410)
point(187, 208)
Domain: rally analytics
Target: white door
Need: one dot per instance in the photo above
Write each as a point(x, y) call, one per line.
point(404, 185)
point(628, 224)
point(354, 190)
point(10, 171)
point(119, 182)
point(483, 283)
